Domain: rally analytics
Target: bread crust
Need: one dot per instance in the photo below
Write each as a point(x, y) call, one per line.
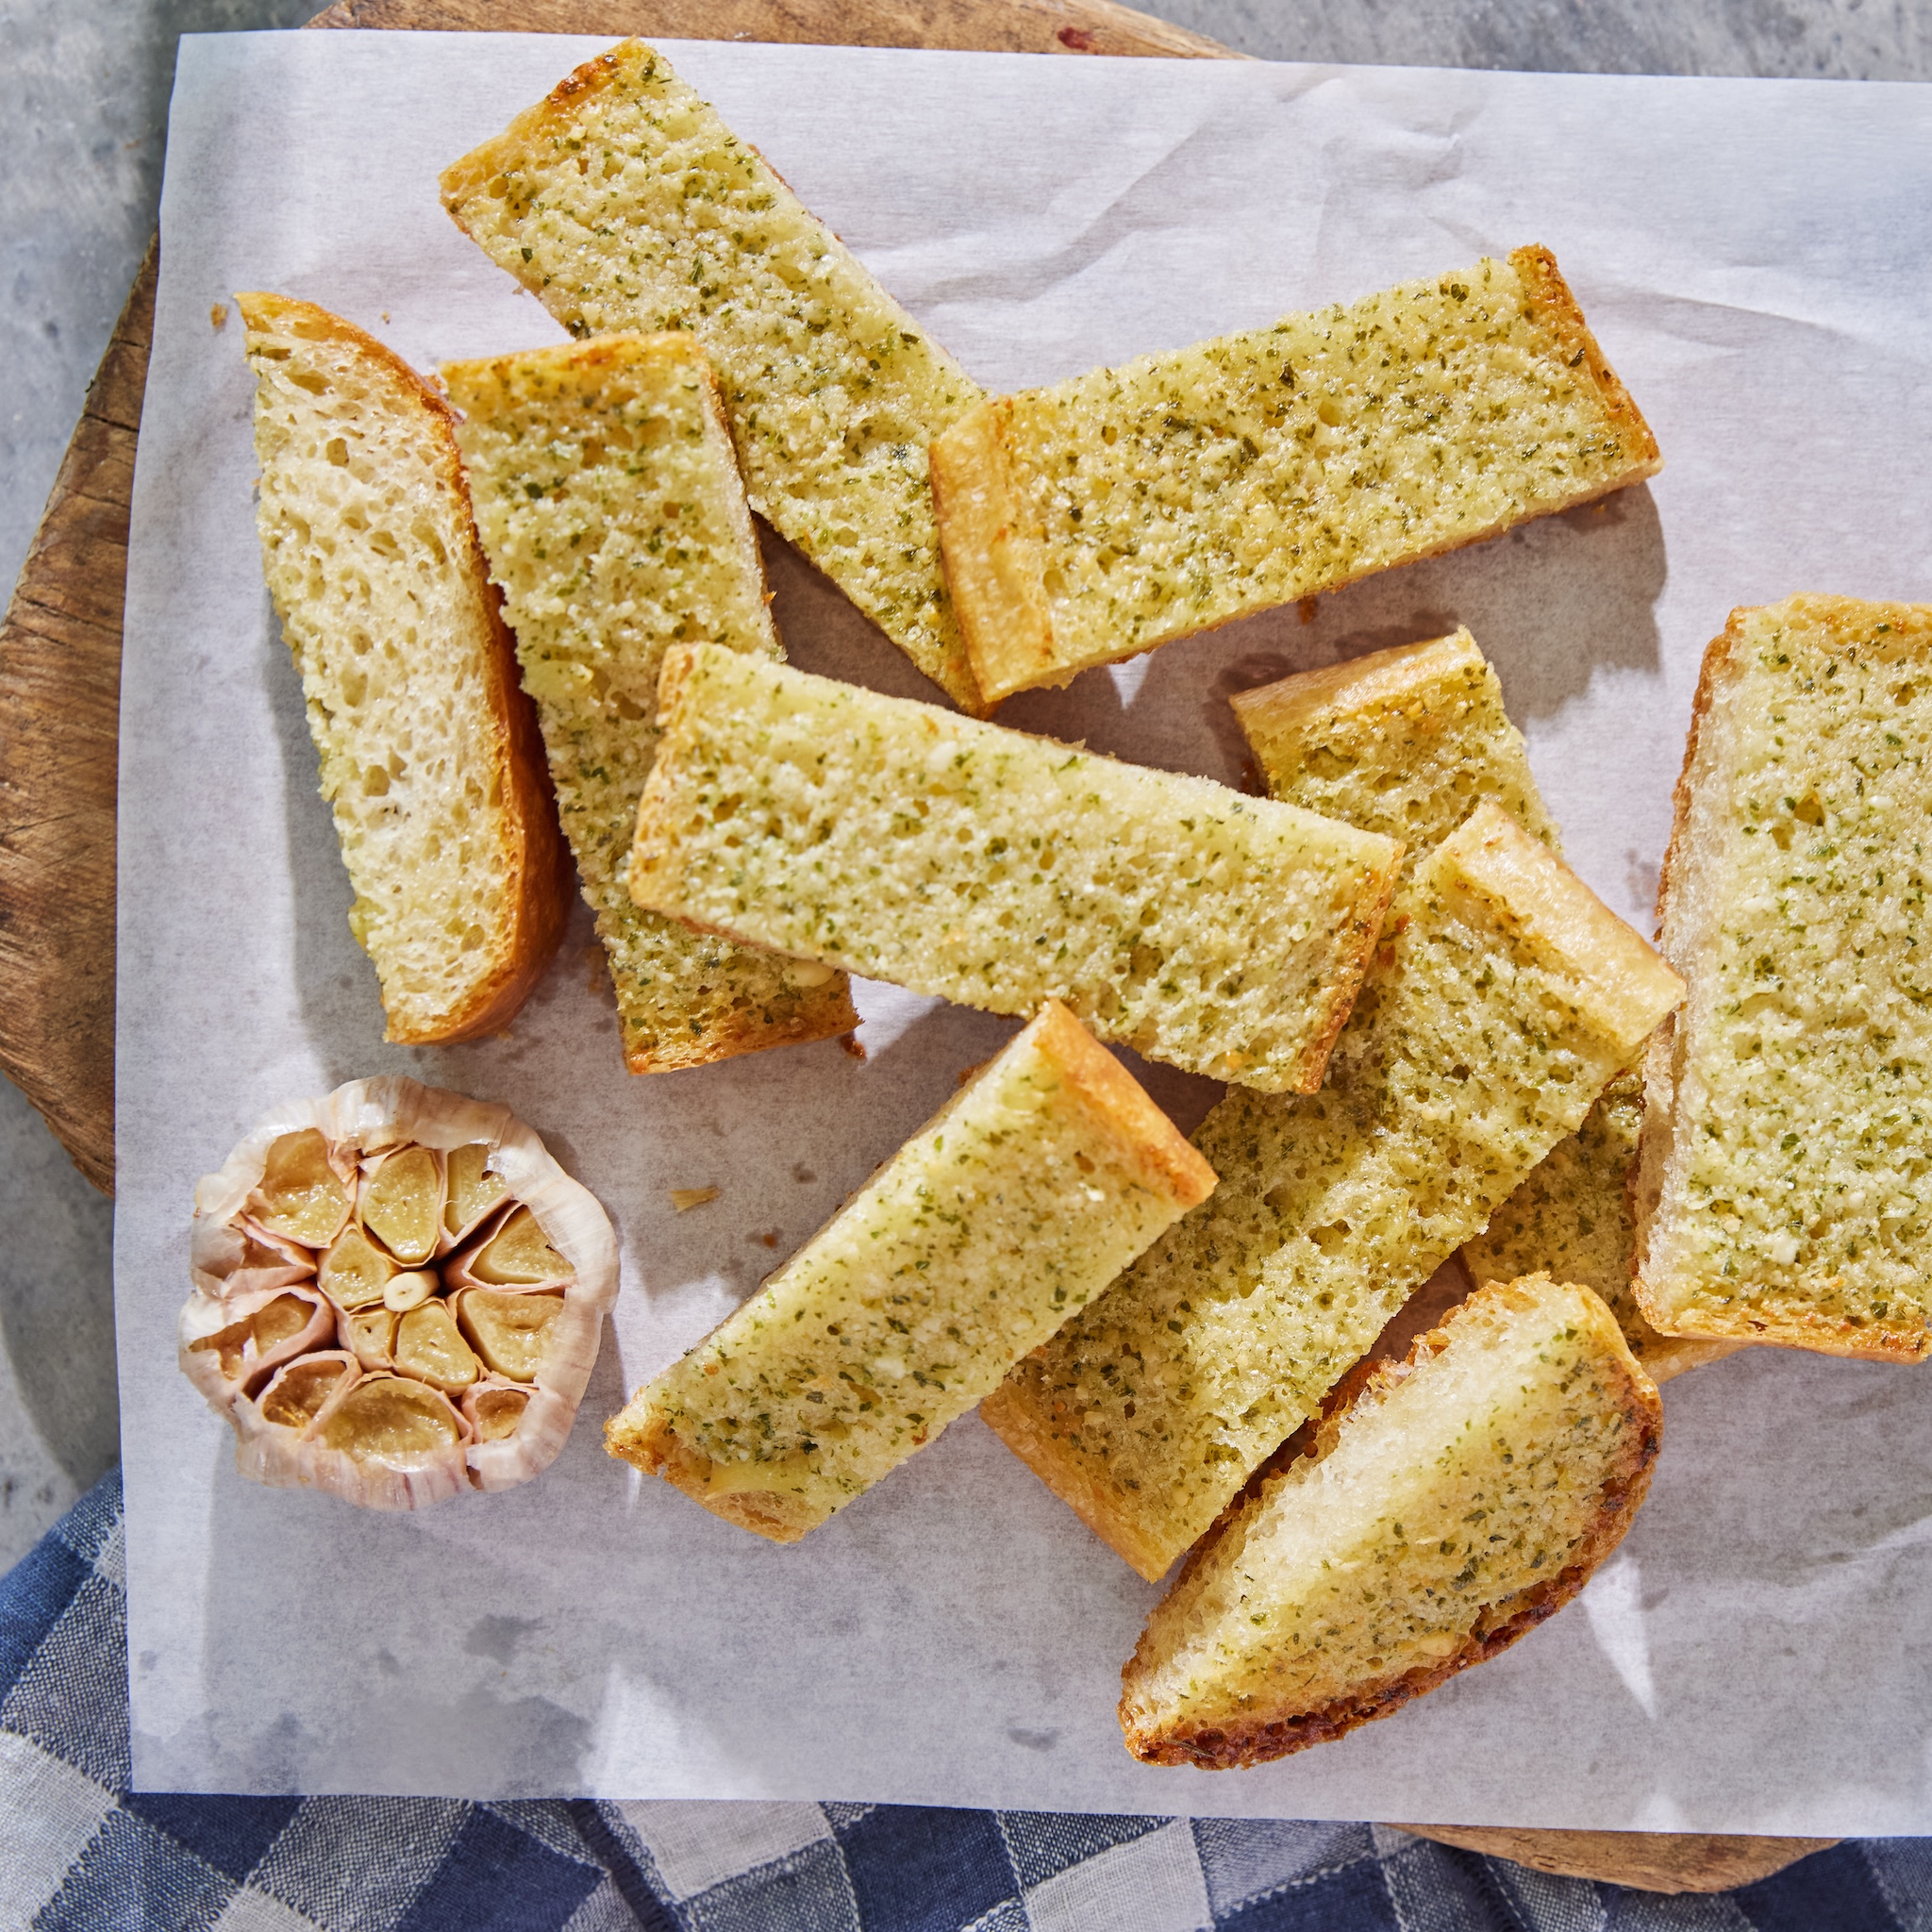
point(1009, 635)
point(531, 849)
point(1120, 1108)
point(1549, 294)
point(1559, 917)
point(1263, 1737)
point(1806, 1329)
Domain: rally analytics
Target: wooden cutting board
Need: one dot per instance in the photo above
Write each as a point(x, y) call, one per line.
point(61, 669)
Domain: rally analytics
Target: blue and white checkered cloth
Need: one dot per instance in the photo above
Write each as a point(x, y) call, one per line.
point(80, 1852)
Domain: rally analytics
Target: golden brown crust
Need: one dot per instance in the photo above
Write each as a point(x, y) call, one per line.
point(1539, 897)
point(1119, 1107)
point(1008, 636)
point(472, 174)
point(533, 850)
point(1355, 953)
point(1381, 677)
point(1017, 1423)
point(656, 1448)
point(1549, 294)
point(1258, 1740)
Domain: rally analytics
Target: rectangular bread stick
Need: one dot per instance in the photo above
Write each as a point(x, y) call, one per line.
point(1506, 1001)
point(1129, 507)
point(609, 507)
point(1222, 934)
point(1781, 1189)
point(1023, 1196)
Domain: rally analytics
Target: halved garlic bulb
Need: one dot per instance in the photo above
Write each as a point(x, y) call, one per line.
point(398, 1295)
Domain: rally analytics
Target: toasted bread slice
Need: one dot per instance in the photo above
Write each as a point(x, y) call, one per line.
point(1222, 934)
point(834, 392)
point(1133, 506)
point(610, 507)
point(1407, 741)
point(431, 757)
point(1461, 1498)
point(1780, 1190)
point(1024, 1195)
point(1507, 1002)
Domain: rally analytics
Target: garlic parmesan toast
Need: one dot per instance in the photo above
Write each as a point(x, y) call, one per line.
point(1129, 507)
point(610, 507)
point(1023, 1196)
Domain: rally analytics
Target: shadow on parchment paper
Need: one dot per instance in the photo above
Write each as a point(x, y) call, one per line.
point(434, 1644)
point(823, 632)
point(335, 982)
point(1549, 603)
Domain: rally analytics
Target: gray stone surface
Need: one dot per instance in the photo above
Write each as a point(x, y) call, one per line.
point(83, 103)
point(1830, 40)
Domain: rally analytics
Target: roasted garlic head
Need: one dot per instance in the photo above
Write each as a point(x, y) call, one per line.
point(398, 1295)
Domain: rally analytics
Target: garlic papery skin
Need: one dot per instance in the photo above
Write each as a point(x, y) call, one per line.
point(397, 1427)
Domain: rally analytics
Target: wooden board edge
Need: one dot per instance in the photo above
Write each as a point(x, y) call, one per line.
point(1021, 27)
point(60, 691)
point(1665, 1861)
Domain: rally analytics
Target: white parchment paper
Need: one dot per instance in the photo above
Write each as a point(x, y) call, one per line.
point(1754, 259)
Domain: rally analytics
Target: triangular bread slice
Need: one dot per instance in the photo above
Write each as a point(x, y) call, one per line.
point(610, 507)
point(430, 757)
point(1460, 1498)
point(832, 390)
point(1781, 1190)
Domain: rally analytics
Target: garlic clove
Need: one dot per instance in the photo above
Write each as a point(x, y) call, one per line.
point(403, 1292)
point(509, 1331)
point(302, 1194)
point(495, 1410)
point(514, 1254)
point(400, 1203)
point(473, 1190)
point(369, 1336)
point(230, 1257)
point(393, 1420)
point(429, 1348)
point(302, 1389)
point(229, 1347)
point(354, 1271)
